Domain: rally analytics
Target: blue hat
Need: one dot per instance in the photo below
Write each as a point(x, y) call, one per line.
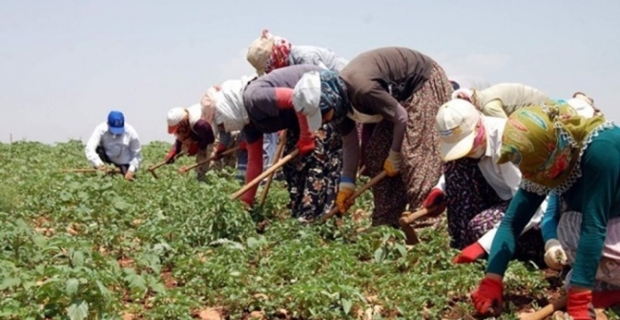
point(116, 122)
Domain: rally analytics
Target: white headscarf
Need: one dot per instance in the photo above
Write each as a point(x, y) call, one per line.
point(229, 108)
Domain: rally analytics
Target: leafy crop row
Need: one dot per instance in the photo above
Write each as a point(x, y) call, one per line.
point(87, 246)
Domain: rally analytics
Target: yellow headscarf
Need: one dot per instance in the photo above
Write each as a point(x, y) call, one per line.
point(546, 143)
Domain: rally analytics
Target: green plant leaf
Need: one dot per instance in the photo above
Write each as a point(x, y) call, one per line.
point(78, 310)
point(72, 287)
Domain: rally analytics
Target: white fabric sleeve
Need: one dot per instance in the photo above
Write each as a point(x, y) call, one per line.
point(91, 147)
point(134, 148)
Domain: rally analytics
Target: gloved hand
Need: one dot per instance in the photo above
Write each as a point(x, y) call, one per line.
point(129, 176)
point(392, 163)
point(555, 257)
point(218, 151)
point(103, 168)
point(487, 298)
point(305, 144)
point(170, 157)
point(193, 149)
point(470, 254)
point(435, 198)
point(578, 304)
point(243, 145)
point(345, 190)
point(605, 299)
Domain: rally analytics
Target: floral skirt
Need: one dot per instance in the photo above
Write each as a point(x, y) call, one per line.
point(312, 181)
point(474, 208)
point(421, 166)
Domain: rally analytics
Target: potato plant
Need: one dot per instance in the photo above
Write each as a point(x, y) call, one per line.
point(89, 246)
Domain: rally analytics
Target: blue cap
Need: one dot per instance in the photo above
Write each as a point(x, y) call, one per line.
point(116, 122)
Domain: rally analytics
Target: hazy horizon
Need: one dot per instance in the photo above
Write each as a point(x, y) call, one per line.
point(66, 64)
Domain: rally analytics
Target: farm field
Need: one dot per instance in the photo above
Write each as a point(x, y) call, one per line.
point(88, 246)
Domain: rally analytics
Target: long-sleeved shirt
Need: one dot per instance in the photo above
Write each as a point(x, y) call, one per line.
point(322, 57)
point(596, 194)
point(267, 115)
point(377, 81)
point(503, 178)
point(551, 219)
point(501, 100)
point(261, 102)
point(120, 149)
point(200, 130)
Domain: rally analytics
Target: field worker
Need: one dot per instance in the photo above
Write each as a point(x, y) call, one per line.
point(606, 294)
point(269, 52)
point(115, 142)
point(227, 140)
point(265, 106)
point(578, 158)
point(502, 99)
point(400, 90)
point(468, 82)
point(194, 135)
point(476, 190)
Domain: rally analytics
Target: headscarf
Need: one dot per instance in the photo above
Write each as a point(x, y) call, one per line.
point(334, 95)
point(280, 52)
point(229, 109)
point(208, 102)
point(546, 143)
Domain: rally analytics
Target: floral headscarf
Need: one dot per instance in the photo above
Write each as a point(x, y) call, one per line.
point(546, 143)
point(334, 95)
point(280, 52)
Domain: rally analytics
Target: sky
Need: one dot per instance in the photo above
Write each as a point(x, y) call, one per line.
point(65, 64)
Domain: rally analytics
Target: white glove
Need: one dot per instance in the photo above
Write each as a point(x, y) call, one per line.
point(555, 257)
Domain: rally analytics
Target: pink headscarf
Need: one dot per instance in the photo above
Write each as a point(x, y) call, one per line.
point(279, 52)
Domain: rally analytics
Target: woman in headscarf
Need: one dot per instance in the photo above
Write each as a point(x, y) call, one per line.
point(194, 135)
point(476, 190)
point(270, 52)
point(502, 99)
point(400, 90)
point(265, 106)
point(559, 151)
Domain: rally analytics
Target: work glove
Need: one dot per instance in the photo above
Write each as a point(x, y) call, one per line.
point(470, 254)
point(170, 157)
point(555, 257)
point(243, 145)
point(435, 198)
point(129, 176)
point(218, 151)
point(345, 190)
point(305, 144)
point(487, 298)
point(392, 163)
point(103, 168)
point(605, 299)
point(193, 149)
point(578, 305)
